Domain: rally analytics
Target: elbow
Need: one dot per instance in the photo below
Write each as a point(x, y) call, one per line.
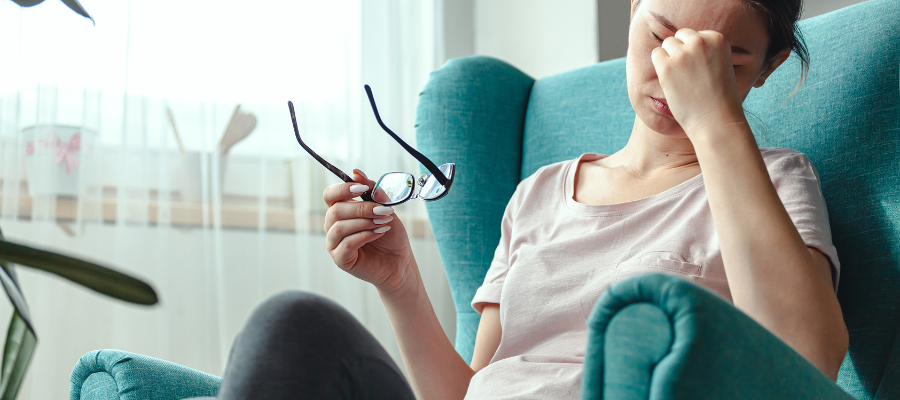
point(823, 344)
point(837, 350)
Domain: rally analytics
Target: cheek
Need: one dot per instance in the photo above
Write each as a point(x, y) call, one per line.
point(640, 74)
point(745, 80)
point(639, 59)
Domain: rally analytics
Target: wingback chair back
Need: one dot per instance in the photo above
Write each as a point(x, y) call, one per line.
point(499, 126)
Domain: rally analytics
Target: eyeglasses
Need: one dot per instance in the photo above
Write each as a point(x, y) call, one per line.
point(394, 187)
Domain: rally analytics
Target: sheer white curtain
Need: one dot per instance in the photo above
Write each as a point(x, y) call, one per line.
point(90, 164)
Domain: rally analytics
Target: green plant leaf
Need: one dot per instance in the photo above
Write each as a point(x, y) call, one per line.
point(20, 338)
point(28, 3)
point(16, 297)
point(93, 276)
point(17, 353)
point(72, 4)
point(76, 6)
point(10, 283)
point(8, 267)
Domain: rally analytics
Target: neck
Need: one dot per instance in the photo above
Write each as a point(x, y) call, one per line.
point(649, 153)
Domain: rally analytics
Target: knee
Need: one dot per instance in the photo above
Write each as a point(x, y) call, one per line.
point(297, 309)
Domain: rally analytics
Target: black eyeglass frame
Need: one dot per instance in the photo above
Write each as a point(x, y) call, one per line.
point(367, 196)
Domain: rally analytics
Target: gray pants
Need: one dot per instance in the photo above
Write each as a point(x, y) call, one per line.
point(299, 345)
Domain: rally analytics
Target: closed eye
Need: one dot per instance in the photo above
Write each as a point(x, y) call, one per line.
point(657, 37)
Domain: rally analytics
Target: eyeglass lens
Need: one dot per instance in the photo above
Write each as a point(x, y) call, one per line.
point(432, 189)
point(397, 187)
point(393, 188)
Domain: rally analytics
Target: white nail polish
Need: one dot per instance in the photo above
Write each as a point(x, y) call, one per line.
point(358, 188)
point(382, 210)
point(382, 229)
point(382, 220)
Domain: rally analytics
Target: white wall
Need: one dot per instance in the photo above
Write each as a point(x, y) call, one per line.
point(540, 37)
point(544, 37)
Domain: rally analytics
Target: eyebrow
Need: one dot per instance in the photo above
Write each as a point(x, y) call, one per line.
point(666, 23)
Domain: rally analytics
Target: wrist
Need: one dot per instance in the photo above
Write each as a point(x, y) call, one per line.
point(716, 122)
point(714, 131)
point(409, 286)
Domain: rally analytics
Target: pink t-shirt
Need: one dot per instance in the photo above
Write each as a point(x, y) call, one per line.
point(556, 256)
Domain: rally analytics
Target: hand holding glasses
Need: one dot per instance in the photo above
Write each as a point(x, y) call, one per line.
point(394, 187)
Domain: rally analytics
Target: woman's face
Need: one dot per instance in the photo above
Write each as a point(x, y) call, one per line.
point(743, 28)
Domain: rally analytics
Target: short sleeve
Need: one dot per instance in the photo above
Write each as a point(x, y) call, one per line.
point(797, 182)
point(489, 292)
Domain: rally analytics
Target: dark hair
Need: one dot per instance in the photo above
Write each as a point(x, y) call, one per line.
point(784, 34)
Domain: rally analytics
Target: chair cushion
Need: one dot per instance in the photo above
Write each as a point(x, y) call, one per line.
point(845, 118)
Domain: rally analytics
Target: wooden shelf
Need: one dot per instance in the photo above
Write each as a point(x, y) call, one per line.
point(235, 212)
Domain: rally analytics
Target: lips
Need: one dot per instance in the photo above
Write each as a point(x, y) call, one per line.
point(662, 107)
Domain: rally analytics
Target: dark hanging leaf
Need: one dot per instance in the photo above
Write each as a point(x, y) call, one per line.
point(16, 297)
point(76, 6)
point(93, 276)
point(73, 4)
point(17, 353)
point(10, 283)
point(9, 268)
point(28, 3)
point(20, 338)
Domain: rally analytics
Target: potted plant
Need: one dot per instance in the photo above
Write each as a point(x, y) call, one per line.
point(21, 339)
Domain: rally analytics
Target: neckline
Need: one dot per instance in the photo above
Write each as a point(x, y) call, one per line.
point(598, 210)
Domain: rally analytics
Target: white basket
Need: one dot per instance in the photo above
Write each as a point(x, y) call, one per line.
point(53, 158)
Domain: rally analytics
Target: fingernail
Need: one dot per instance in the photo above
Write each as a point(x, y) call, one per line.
point(356, 171)
point(382, 210)
point(358, 188)
point(383, 220)
point(382, 229)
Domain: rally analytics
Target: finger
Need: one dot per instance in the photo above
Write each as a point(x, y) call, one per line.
point(346, 251)
point(353, 210)
point(343, 192)
point(381, 196)
point(710, 34)
point(672, 45)
point(715, 39)
point(361, 177)
point(686, 35)
point(659, 57)
point(341, 229)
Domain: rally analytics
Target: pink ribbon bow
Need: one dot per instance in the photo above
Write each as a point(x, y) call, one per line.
point(64, 152)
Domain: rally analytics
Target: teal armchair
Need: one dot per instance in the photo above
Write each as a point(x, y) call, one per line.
point(657, 336)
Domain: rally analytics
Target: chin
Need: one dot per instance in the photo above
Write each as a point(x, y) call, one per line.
point(661, 124)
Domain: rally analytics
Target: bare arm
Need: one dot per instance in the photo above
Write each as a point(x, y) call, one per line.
point(487, 340)
point(435, 369)
point(774, 278)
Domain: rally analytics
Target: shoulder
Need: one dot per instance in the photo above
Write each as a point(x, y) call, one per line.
point(781, 161)
point(547, 181)
point(551, 174)
point(790, 169)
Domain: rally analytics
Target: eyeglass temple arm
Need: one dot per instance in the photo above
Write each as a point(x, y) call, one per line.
point(335, 170)
point(422, 159)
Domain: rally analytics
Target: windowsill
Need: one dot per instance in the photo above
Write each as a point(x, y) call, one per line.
point(236, 212)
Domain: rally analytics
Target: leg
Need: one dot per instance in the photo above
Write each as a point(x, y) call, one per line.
point(299, 345)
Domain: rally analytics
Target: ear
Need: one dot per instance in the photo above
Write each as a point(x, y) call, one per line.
point(772, 65)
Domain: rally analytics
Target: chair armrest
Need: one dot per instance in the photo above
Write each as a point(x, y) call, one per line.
point(115, 374)
point(658, 336)
point(472, 113)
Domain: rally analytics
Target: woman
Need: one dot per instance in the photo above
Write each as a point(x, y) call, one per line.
point(752, 228)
